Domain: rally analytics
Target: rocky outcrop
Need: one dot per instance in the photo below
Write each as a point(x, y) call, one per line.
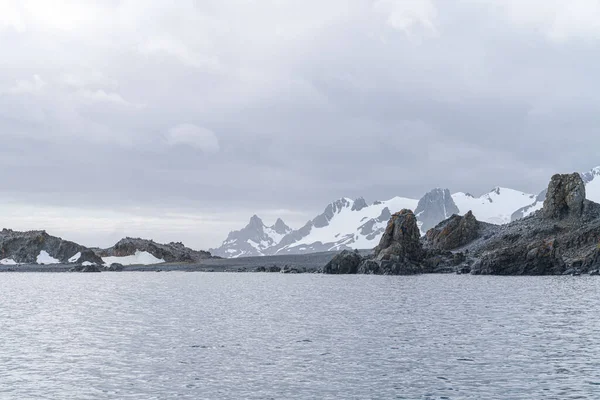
point(346, 262)
point(401, 240)
point(170, 252)
point(85, 268)
point(399, 251)
point(537, 258)
point(565, 231)
point(565, 197)
point(115, 267)
point(455, 232)
point(434, 207)
point(26, 248)
point(563, 237)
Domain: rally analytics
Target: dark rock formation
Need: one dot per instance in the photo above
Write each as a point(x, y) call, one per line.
point(565, 197)
point(369, 267)
point(561, 238)
point(454, 232)
point(25, 247)
point(346, 262)
point(115, 267)
point(85, 268)
point(538, 258)
point(401, 240)
point(171, 252)
point(434, 207)
point(565, 232)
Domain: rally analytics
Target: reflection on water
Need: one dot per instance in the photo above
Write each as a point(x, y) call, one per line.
point(261, 336)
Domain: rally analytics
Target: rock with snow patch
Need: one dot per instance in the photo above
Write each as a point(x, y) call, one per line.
point(38, 247)
point(155, 252)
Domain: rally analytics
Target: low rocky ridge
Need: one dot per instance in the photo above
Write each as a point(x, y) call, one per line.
point(38, 247)
point(562, 237)
point(170, 252)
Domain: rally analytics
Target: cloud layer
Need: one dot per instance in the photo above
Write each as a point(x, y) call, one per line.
point(229, 108)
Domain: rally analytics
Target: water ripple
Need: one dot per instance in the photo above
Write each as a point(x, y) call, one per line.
point(272, 336)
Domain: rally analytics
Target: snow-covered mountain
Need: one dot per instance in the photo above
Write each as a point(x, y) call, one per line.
point(354, 224)
point(345, 224)
point(495, 207)
point(253, 240)
point(435, 206)
point(592, 184)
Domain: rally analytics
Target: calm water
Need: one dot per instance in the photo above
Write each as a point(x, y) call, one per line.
point(274, 336)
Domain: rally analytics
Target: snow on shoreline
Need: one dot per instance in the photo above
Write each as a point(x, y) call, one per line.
point(45, 258)
point(139, 258)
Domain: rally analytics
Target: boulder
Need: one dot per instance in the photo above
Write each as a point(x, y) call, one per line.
point(454, 232)
point(115, 267)
point(565, 196)
point(346, 262)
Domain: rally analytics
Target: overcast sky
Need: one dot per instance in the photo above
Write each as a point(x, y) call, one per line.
point(178, 120)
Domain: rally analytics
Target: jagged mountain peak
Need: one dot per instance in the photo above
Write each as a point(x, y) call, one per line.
point(348, 224)
point(255, 222)
point(281, 227)
point(435, 206)
point(359, 204)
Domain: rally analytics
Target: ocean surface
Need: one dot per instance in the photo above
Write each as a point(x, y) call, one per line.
point(178, 335)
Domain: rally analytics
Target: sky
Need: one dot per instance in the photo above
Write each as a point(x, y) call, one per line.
point(177, 121)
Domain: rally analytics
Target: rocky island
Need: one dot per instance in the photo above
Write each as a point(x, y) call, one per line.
point(563, 237)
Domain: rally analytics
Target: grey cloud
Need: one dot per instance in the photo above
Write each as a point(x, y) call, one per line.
point(293, 104)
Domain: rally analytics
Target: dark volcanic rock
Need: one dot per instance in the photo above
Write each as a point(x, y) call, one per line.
point(346, 262)
point(565, 196)
point(369, 267)
point(115, 267)
point(434, 207)
point(566, 231)
point(85, 268)
point(454, 232)
point(25, 247)
point(401, 239)
point(539, 258)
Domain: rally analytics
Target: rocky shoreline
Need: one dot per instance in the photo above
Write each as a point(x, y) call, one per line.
point(562, 238)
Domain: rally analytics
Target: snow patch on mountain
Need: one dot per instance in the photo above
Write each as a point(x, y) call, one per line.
point(75, 258)
point(495, 207)
point(345, 224)
point(592, 184)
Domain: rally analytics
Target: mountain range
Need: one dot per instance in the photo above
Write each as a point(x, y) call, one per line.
point(354, 224)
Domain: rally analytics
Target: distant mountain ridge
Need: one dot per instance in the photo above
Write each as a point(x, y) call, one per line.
point(354, 224)
point(253, 240)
